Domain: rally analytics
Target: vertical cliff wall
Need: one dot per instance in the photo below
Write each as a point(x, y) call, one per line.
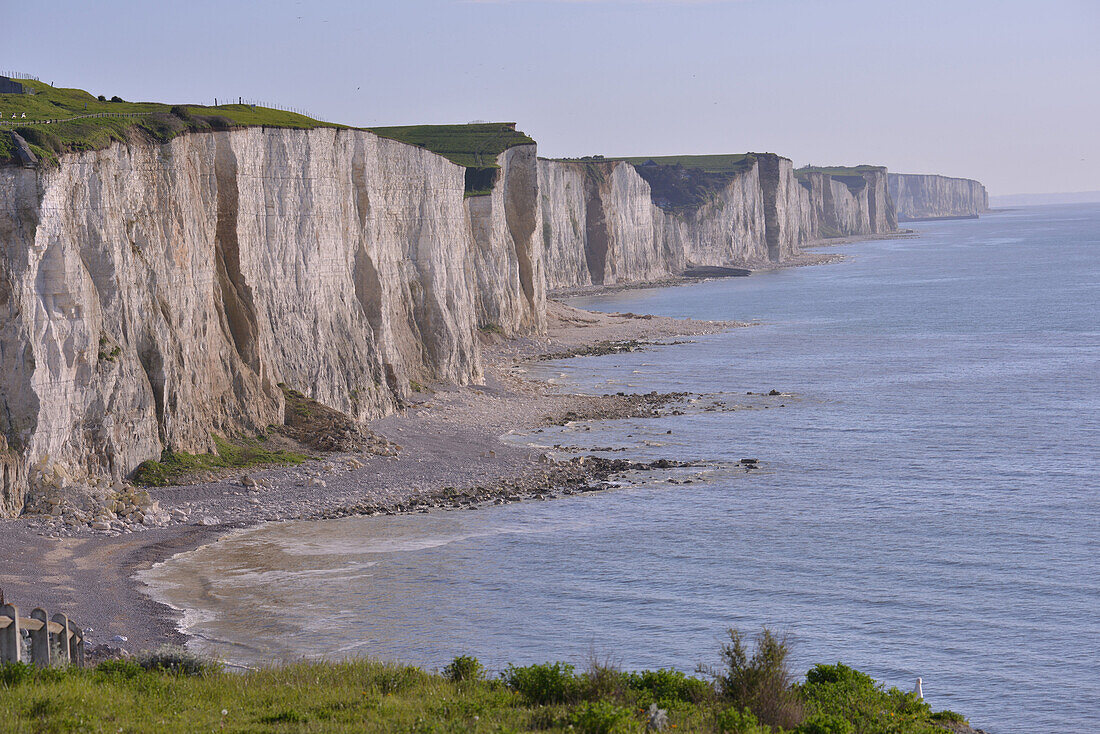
point(152, 294)
point(508, 267)
point(608, 222)
point(924, 197)
point(853, 201)
point(599, 225)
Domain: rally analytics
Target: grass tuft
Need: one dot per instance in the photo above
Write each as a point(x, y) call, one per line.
point(241, 453)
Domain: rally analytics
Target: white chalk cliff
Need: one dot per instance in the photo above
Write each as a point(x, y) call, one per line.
point(151, 295)
point(919, 196)
point(603, 223)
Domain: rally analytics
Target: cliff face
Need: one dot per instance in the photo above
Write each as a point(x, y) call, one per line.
point(923, 197)
point(152, 294)
point(599, 225)
point(603, 223)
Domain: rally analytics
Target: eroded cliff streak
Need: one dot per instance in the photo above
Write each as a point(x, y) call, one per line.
point(927, 196)
point(511, 285)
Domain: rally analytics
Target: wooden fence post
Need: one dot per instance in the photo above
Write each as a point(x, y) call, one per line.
point(62, 620)
point(40, 639)
point(11, 643)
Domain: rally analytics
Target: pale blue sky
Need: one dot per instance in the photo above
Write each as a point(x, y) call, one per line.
point(1004, 91)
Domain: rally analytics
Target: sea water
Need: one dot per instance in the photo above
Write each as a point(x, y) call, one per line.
point(927, 503)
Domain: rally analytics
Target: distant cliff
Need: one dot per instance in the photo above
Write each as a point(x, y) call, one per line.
point(608, 222)
point(919, 196)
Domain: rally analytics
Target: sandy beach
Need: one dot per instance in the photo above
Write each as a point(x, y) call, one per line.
point(451, 454)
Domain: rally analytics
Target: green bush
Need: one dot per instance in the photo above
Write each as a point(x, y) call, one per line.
point(126, 669)
point(738, 721)
point(602, 717)
point(178, 660)
point(667, 688)
point(825, 724)
point(42, 137)
point(948, 716)
point(464, 668)
point(391, 679)
point(840, 692)
point(761, 682)
point(543, 683)
point(13, 674)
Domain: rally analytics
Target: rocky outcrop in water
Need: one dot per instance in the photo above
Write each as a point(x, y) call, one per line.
point(930, 197)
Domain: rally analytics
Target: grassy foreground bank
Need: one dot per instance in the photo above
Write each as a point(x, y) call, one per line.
point(174, 692)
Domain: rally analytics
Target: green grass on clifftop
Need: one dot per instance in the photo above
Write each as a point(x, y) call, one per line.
point(154, 121)
point(729, 163)
point(839, 171)
point(476, 145)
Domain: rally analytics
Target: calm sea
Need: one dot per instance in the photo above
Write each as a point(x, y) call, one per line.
point(928, 504)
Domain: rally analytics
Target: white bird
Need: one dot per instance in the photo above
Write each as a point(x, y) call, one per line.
point(918, 690)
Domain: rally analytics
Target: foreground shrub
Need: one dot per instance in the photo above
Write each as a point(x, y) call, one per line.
point(543, 683)
point(825, 724)
point(602, 680)
point(602, 717)
point(738, 721)
point(178, 660)
point(668, 688)
point(761, 682)
point(839, 692)
point(12, 674)
point(464, 668)
point(124, 669)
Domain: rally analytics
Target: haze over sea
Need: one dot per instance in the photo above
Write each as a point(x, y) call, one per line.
point(928, 504)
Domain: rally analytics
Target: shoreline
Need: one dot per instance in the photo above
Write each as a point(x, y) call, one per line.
point(451, 456)
point(450, 452)
point(813, 253)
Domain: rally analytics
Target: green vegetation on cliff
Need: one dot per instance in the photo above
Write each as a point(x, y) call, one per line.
point(128, 120)
point(838, 171)
point(175, 466)
point(101, 122)
point(173, 691)
point(730, 163)
point(474, 146)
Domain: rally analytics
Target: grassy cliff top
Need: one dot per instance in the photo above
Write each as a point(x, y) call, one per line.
point(840, 170)
point(475, 145)
point(101, 122)
point(728, 163)
point(158, 121)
